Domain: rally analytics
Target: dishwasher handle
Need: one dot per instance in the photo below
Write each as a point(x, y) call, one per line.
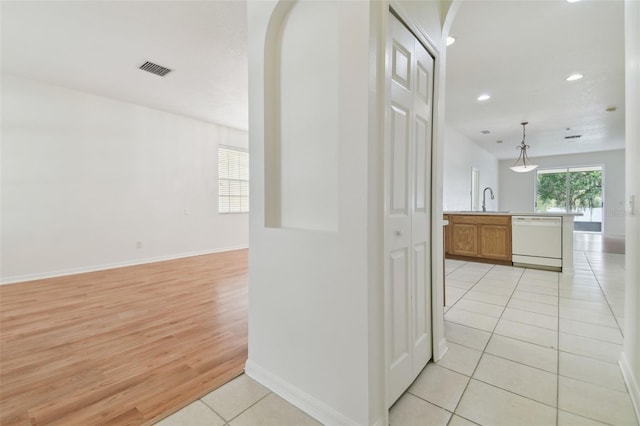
point(535, 221)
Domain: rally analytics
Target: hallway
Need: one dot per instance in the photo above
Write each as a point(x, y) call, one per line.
point(526, 347)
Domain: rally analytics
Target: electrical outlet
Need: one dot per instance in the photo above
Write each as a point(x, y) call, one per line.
point(138, 244)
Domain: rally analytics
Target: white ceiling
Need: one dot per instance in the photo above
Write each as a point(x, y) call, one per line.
point(97, 47)
point(518, 51)
point(521, 52)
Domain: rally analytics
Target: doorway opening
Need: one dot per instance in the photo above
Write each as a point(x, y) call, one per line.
point(475, 189)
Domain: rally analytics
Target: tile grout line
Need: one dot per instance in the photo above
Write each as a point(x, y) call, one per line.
point(453, 413)
point(455, 269)
point(506, 390)
point(591, 273)
point(469, 289)
point(492, 334)
point(589, 337)
point(536, 326)
point(514, 393)
point(469, 381)
point(519, 322)
point(514, 338)
point(604, 294)
point(558, 351)
point(488, 340)
point(557, 358)
point(240, 413)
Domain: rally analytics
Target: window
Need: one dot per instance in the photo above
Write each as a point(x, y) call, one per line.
point(233, 180)
point(572, 189)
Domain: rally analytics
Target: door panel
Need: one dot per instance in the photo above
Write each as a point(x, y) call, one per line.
point(399, 152)
point(421, 308)
point(423, 80)
point(400, 285)
point(421, 214)
point(401, 65)
point(400, 363)
point(423, 160)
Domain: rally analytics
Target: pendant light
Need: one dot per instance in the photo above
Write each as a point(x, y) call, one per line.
point(523, 164)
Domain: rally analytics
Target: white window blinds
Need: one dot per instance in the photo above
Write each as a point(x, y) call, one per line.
point(233, 180)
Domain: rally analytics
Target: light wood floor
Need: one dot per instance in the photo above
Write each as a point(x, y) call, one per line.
point(126, 346)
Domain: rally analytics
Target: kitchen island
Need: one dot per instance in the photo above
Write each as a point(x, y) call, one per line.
point(541, 240)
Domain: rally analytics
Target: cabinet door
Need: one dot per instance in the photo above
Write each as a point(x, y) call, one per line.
point(495, 241)
point(464, 239)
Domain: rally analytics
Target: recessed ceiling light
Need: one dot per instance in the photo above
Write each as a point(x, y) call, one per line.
point(450, 40)
point(573, 1)
point(484, 97)
point(574, 77)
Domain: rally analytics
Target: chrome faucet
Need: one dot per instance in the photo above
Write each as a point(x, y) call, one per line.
point(484, 194)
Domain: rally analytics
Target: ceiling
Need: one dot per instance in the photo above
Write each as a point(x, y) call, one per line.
point(518, 51)
point(97, 47)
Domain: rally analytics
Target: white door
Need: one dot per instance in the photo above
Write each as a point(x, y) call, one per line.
point(408, 208)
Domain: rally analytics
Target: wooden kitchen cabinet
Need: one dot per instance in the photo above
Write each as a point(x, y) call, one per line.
point(495, 241)
point(479, 237)
point(464, 239)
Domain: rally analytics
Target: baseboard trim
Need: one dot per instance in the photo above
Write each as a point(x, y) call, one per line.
point(73, 271)
point(442, 349)
point(307, 403)
point(632, 384)
point(380, 422)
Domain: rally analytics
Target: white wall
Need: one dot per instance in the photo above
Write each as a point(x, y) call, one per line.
point(518, 189)
point(309, 171)
point(460, 155)
point(308, 286)
point(315, 302)
point(85, 177)
point(630, 359)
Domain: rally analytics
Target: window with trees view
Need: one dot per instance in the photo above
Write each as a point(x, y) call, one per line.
point(576, 189)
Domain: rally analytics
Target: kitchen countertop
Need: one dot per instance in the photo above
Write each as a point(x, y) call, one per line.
point(507, 213)
point(568, 220)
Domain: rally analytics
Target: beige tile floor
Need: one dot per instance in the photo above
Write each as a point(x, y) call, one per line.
point(526, 347)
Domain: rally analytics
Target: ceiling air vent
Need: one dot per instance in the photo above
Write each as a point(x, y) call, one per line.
point(155, 69)
point(573, 137)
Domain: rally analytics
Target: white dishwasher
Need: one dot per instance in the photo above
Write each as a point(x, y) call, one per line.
point(536, 241)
